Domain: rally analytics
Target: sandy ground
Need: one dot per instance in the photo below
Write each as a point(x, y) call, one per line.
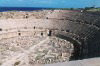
point(26, 51)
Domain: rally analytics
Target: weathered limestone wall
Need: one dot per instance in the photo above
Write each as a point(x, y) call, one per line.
point(81, 27)
point(22, 32)
point(8, 35)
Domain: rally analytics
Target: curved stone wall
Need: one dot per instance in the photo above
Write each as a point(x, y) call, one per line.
point(80, 28)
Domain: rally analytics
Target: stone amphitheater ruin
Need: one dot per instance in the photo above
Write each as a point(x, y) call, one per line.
point(48, 36)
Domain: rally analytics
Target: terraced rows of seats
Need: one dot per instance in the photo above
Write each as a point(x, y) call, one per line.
point(23, 15)
point(76, 16)
point(84, 26)
point(80, 28)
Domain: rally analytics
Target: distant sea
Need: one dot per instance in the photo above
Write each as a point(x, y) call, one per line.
point(20, 8)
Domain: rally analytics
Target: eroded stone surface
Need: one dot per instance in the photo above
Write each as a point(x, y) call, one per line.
point(35, 49)
point(24, 43)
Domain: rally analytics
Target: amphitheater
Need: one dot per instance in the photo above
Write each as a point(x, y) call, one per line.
point(48, 36)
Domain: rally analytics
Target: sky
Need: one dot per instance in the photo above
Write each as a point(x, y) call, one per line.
point(50, 3)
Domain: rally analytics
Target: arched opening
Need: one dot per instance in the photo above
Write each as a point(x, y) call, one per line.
point(19, 34)
point(41, 33)
point(0, 29)
point(26, 16)
point(49, 33)
point(46, 17)
point(67, 30)
point(34, 27)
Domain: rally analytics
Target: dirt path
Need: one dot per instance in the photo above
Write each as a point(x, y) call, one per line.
point(22, 57)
